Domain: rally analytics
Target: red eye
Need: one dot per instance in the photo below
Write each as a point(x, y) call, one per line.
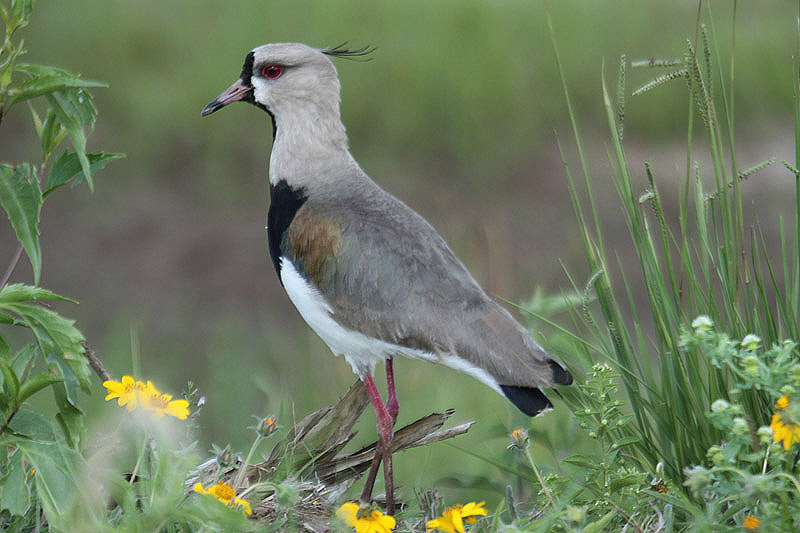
point(272, 72)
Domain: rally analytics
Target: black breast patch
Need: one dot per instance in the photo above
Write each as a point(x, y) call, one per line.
point(284, 203)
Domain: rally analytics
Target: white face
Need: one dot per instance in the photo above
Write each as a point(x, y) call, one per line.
point(292, 76)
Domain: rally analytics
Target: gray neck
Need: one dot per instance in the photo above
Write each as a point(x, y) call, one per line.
point(310, 147)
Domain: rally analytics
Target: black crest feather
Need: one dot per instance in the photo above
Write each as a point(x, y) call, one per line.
point(357, 54)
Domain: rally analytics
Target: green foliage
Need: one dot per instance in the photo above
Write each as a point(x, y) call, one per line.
point(39, 471)
point(701, 261)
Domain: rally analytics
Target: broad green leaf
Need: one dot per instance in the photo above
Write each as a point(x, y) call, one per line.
point(70, 420)
point(53, 332)
point(11, 382)
point(74, 109)
point(35, 384)
point(68, 165)
point(19, 292)
point(15, 494)
point(5, 318)
point(30, 424)
point(23, 361)
point(72, 381)
point(22, 200)
point(56, 478)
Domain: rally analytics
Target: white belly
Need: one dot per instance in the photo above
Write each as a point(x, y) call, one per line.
point(361, 351)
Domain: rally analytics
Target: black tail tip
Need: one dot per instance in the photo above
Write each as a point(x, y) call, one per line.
point(529, 400)
point(561, 376)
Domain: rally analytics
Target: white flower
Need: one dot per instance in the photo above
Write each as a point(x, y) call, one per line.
point(751, 342)
point(720, 405)
point(702, 323)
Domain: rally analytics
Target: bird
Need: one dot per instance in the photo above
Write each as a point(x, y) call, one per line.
point(367, 273)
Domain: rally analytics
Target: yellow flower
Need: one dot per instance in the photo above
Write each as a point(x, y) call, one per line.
point(224, 493)
point(782, 403)
point(751, 523)
point(367, 521)
point(162, 404)
point(135, 394)
point(126, 391)
point(784, 430)
point(453, 518)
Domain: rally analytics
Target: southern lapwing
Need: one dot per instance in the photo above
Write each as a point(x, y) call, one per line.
point(370, 276)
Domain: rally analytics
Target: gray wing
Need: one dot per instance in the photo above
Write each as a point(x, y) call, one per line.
point(387, 273)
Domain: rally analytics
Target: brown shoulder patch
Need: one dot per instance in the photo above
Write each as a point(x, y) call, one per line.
point(314, 240)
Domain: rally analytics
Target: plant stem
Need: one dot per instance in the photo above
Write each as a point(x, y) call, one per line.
point(8, 420)
point(539, 477)
point(11, 266)
point(139, 461)
point(244, 466)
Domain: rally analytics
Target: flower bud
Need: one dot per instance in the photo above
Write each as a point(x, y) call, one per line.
point(765, 434)
point(267, 426)
point(740, 426)
point(519, 439)
point(751, 365)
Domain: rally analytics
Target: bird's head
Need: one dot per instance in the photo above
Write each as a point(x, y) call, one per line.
point(283, 76)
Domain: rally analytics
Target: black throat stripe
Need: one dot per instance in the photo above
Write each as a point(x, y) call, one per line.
point(284, 204)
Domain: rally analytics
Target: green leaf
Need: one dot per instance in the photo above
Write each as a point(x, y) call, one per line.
point(47, 80)
point(51, 133)
point(74, 109)
point(35, 384)
point(70, 419)
point(68, 164)
point(618, 483)
point(5, 353)
point(69, 391)
point(55, 478)
point(21, 9)
point(625, 441)
point(598, 525)
point(11, 382)
point(15, 494)
point(22, 200)
point(582, 460)
point(19, 292)
point(30, 424)
point(22, 362)
point(53, 332)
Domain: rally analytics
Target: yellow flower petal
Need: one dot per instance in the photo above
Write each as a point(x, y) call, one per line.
point(751, 523)
point(225, 494)
point(782, 403)
point(441, 524)
point(125, 391)
point(373, 521)
point(348, 512)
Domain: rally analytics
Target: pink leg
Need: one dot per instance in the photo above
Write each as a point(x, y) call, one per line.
point(384, 448)
point(392, 405)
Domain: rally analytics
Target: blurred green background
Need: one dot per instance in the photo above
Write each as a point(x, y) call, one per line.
point(457, 113)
